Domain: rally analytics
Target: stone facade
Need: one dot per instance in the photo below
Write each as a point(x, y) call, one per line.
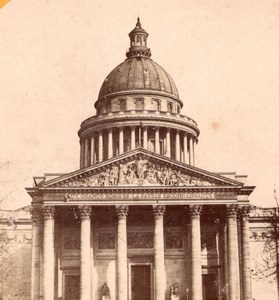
point(138, 220)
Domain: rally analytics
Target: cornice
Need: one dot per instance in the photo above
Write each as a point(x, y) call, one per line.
point(153, 157)
point(139, 92)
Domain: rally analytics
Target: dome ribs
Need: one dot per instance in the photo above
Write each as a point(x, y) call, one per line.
point(123, 75)
point(131, 76)
point(146, 76)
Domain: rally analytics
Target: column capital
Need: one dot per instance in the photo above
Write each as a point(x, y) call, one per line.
point(122, 211)
point(159, 210)
point(84, 212)
point(48, 212)
point(195, 210)
point(232, 210)
point(36, 213)
point(121, 127)
point(244, 211)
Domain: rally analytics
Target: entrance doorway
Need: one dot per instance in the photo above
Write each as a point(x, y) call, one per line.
point(209, 287)
point(71, 287)
point(140, 282)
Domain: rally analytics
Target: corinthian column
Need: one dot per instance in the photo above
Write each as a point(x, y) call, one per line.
point(245, 247)
point(82, 149)
point(168, 142)
point(177, 145)
point(145, 137)
point(159, 256)
point(86, 153)
point(121, 140)
point(122, 212)
point(133, 137)
point(233, 262)
point(196, 267)
point(35, 267)
point(110, 149)
point(48, 255)
point(92, 154)
point(157, 140)
point(100, 152)
point(85, 262)
point(185, 160)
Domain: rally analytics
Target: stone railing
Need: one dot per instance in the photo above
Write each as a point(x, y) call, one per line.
point(140, 113)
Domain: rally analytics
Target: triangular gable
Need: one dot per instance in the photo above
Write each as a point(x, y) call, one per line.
point(140, 167)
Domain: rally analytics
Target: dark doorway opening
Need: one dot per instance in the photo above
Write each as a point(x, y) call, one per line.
point(72, 287)
point(209, 287)
point(140, 282)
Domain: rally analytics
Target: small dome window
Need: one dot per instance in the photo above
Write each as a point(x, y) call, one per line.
point(178, 109)
point(139, 104)
point(122, 104)
point(138, 40)
point(170, 107)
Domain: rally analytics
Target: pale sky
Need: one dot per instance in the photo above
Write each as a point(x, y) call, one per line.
point(222, 55)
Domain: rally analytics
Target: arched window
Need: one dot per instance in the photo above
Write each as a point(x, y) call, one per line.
point(178, 109)
point(138, 40)
point(156, 104)
point(122, 105)
point(139, 104)
point(170, 107)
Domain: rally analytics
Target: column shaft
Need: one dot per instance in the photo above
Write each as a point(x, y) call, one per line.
point(185, 148)
point(133, 137)
point(159, 256)
point(233, 262)
point(100, 152)
point(110, 147)
point(177, 145)
point(92, 154)
point(121, 140)
point(145, 137)
point(168, 143)
point(48, 254)
point(157, 140)
point(82, 148)
point(35, 267)
point(122, 274)
point(85, 261)
point(245, 246)
point(86, 153)
point(193, 151)
point(196, 267)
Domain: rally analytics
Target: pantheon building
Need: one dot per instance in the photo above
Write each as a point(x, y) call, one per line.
point(139, 220)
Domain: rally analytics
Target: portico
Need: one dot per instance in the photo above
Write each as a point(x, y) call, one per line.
point(161, 226)
point(138, 220)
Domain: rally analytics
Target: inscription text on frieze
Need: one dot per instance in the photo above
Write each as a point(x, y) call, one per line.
point(99, 196)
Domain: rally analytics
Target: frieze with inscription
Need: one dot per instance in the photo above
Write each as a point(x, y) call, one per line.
point(138, 172)
point(138, 196)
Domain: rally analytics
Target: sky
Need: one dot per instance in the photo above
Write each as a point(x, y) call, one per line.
point(222, 55)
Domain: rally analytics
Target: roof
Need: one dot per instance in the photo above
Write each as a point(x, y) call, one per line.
point(138, 73)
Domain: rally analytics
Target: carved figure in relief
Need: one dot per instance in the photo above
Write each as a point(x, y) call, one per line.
point(138, 172)
point(141, 167)
point(114, 173)
point(122, 173)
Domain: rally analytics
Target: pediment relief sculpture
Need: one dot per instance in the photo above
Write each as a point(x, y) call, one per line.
point(138, 172)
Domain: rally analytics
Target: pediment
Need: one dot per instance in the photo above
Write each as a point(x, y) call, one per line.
point(140, 168)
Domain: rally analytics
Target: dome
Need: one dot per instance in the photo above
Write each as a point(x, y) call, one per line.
point(138, 73)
